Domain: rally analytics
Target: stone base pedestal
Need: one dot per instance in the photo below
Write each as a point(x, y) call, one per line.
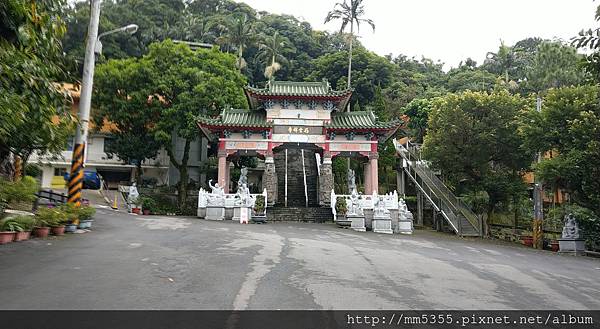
point(215, 213)
point(368, 218)
point(342, 221)
point(405, 227)
point(201, 212)
point(237, 211)
point(382, 225)
point(357, 222)
point(228, 214)
point(574, 247)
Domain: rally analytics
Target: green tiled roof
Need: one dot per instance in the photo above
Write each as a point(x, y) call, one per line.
point(289, 88)
point(238, 118)
point(359, 120)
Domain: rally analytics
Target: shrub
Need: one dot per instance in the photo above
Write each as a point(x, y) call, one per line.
point(22, 190)
point(148, 203)
point(26, 222)
point(71, 211)
point(259, 205)
point(341, 207)
point(86, 212)
point(50, 217)
point(11, 225)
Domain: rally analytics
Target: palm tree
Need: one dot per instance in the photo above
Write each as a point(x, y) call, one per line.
point(270, 52)
point(240, 33)
point(349, 13)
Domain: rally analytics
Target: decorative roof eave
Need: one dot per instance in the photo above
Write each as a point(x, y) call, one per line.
point(255, 95)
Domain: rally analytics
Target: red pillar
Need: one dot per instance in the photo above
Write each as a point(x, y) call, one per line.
point(374, 173)
point(222, 168)
point(368, 183)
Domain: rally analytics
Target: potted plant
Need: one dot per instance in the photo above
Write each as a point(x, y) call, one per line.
point(72, 212)
point(259, 214)
point(57, 221)
point(341, 208)
point(149, 205)
point(8, 230)
point(43, 218)
point(554, 245)
point(85, 217)
point(527, 240)
point(26, 223)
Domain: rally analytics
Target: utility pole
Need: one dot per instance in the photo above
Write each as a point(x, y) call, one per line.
point(85, 101)
point(538, 200)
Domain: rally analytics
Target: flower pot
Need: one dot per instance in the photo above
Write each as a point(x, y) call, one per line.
point(22, 236)
point(41, 232)
point(70, 228)
point(6, 237)
point(85, 224)
point(146, 212)
point(260, 219)
point(59, 230)
point(527, 241)
point(135, 210)
point(554, 246)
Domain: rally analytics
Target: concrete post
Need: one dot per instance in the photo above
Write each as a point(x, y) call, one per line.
point(325, 181)
point(270, 180)
point(419, 208)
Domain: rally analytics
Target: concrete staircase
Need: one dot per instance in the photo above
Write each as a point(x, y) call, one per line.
point(297, 209)
point(300, 214)
point(295, 185)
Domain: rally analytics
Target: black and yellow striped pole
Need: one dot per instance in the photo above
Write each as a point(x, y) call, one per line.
point(75, 184)
point(76, 176)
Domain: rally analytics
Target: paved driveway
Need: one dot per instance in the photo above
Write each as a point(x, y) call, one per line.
point(147, 262)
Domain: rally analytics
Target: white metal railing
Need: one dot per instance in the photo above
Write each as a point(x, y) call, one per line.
point(304, 176)
point(228, 200)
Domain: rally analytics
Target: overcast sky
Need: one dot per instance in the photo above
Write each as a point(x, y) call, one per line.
point(449, 30)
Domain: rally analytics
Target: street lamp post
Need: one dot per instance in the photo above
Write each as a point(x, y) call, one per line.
point(75, 184)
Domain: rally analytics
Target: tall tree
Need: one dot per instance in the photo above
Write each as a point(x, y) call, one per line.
point(190, 84)
point(349, 13)
point(554, 65)
point(35, 112)
point(271, 53)
point(471, 138)
point(240, 33)
point(125, 96)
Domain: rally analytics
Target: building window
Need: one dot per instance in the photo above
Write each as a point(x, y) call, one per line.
point(60, 171)
point(70, 143)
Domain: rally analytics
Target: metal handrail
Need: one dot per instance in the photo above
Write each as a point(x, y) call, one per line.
point(445, 196)
point(449, 195)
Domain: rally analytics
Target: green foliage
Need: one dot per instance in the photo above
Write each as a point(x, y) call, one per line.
point(50, 217)
point(11, 225)
point(554, 65)
point(472, 139)
point(35, 113)
point(86, 212)
point(340, 205)
point(149, 204)
point(418, 113)
point(71, 211)
point(18, 223)
point(22, 190)
point(569, 125)
point(259, 205)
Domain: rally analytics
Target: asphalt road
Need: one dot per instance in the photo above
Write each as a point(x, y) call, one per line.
point(149, 262)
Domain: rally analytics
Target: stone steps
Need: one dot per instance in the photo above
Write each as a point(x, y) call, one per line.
point(310, 214)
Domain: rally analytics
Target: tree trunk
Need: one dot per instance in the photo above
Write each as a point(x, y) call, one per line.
point(183, 176)
point(240, 54)
point(138, 173)
point(350, 58)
